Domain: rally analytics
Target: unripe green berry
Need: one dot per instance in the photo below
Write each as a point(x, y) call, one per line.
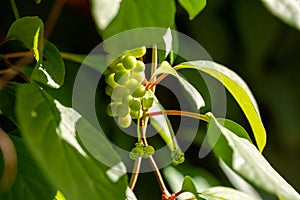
point(129, 62)
point(124, 122)
point(136, 114)
point(135, 105)
point(137, 52)
point(136, 152)
point(119, 92)
point(120, 67)
point(139, 76)
point(147, 102)
point(140, 67)
point(121, 77)
point(127, 99)
point(139, 92)
point(132, 84)
point(111, 109)
point(122, 110)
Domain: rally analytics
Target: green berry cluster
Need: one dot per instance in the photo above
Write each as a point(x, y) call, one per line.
point(141, 151)
point(178, 156)
point(125, 87)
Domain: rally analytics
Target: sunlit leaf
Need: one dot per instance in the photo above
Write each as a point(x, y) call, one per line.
point(286, 10)
point(30, 30)
point(189, 186)
point(249, 163)
point(193, 7)
point(224, 193)
point(51, 71)
point(50, 131)
point(165, 67)
point(239, 90)
point(104, 11)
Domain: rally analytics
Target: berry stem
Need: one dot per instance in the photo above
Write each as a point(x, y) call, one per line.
point(15, 9)
point(135, 173)
point(179, 113)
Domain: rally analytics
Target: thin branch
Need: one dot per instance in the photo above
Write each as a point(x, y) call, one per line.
point(15, 69)
point(53, 16)
point(159, 178)
point(135, 173)
point(179, 113)
point(18, 54)
point(15, 9)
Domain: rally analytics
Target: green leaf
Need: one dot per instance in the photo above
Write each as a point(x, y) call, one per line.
point(30, 30)
point(286, 10)
point(239, 90)
point(136, 14)
point(224, 193)
point(104, 11)
point(248, 162)
point(188, 185)
point(193, 7)
point(165, 67)
point(50, 131)
point(30, 183)
point(51, 71)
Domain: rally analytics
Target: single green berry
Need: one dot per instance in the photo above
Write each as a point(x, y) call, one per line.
point(129, 62)
point(136, 152)
point(124, 122)
point(132, 84)
point(135, 105)
point(122, 110)
point(139, 76)
point(147, 102)
point(127, 99)
point(136, 114)
point(119, 92)
point(111, 109)
point(120, 67)
point(137, 52)
point(140, 67)
point(121, 77)
point(139, 92)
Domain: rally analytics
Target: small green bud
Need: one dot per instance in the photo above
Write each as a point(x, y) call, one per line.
point(111, 109)
point(148, 151)
point(121, 77)
point(135, 105)
point(132, 84)
point(136, 152)
point(108, 90)
point(119, 92)
point(136, 114)
point(120, 67)
point(109, 79)
point(147, 102)
point(122, 110)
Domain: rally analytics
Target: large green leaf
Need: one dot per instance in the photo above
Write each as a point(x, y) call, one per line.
point(248, 162)
point(165, 67)
point(51, 71)
point(50, 131)
point(189, 186)
point(136, 14)
point(30, 30)
point(239, 90)
point(286, 10)
point(30, 183)
point(193, 7)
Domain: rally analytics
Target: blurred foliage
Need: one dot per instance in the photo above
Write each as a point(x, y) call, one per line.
point(241, 35)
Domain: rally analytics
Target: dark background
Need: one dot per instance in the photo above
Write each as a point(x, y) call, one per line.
point(241, 35)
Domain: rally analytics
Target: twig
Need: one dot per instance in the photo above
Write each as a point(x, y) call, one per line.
point(179, 113)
